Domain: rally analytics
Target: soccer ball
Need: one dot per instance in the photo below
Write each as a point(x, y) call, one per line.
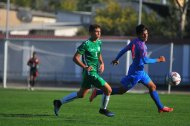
point(173, 78)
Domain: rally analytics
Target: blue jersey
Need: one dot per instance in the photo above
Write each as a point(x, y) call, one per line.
point(136, 73)
point(138, 50)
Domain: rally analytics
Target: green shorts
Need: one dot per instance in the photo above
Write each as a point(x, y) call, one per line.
point(92, 78)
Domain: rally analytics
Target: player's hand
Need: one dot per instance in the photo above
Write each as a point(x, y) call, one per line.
point(88, 68)
point(161, 59)
point(101, 68)
point(115, 62)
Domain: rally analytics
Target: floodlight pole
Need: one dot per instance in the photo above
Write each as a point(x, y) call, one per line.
point(6, 46)
point(140, 12)
point(171, 64)
point(7, 19)
point(5, 64)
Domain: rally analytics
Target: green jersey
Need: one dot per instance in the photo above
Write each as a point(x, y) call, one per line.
point(90, 52)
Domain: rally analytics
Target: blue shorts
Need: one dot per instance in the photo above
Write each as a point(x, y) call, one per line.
point(132, 79)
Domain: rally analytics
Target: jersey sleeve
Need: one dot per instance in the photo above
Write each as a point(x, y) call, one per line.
point(100, 45)
point(147, 60)
point(124, 50)
point(143, 55)
point(81, 49)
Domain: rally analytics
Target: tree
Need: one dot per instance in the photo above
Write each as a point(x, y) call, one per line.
point(183, 6)
point(116, 20)
point(179, 9)
point(66, 5)
point(155, 24)
point(22, 3)
point(86, 5)
point(37, 4)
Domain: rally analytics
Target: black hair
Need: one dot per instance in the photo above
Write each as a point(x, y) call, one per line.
point(92, 27)
point(140, 29)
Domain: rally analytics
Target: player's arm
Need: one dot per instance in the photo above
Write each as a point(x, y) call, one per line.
point(101, 68)
point(77, 60)
point(121, 52)
point(29, 62)
point(37, 63)
point(147, 60)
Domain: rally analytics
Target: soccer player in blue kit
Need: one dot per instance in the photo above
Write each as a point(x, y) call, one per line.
point(136, 73)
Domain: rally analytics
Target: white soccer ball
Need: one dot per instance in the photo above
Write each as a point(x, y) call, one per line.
point(173, 78)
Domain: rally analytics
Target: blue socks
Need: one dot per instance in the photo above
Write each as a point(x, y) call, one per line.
point(69, 98)
point(115, 91)
point(156, 99)
point(98, 92)
point(154, 95)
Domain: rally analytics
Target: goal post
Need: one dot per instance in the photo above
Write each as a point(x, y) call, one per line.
point(5, 64)
point(171, 64)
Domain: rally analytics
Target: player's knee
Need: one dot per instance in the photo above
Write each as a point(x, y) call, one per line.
point(109, 91)
point(152, 88)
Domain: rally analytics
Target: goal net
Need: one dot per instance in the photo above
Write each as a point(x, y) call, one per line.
point(57, 69)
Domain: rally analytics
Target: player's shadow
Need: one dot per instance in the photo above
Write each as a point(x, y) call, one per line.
point(23, 115)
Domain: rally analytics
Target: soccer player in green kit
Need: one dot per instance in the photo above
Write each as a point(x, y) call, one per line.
point(92, 63)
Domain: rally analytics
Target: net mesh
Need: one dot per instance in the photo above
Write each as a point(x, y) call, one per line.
point(57, 69)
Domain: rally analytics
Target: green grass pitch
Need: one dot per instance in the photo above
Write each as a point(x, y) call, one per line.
point(34, 108)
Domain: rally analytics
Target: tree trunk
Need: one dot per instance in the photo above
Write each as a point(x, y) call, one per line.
point(183, 6)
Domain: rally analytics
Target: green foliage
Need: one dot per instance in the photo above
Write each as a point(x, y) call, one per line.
point(154, 23)
point(68, 5)
point(22, 3)
point(116, 20)
point(179, 18)
point(85, 5)
point(52, 5)
point(38, 4)
point(82, 31)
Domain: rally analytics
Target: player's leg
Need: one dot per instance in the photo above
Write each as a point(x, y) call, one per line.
point(35, 74)
point(115, 91)
point(100, 83)
point(127, 83)
point(154, 95)
point(70, 97)
point(152, 89)
point(105, 100)
point(30, 81)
